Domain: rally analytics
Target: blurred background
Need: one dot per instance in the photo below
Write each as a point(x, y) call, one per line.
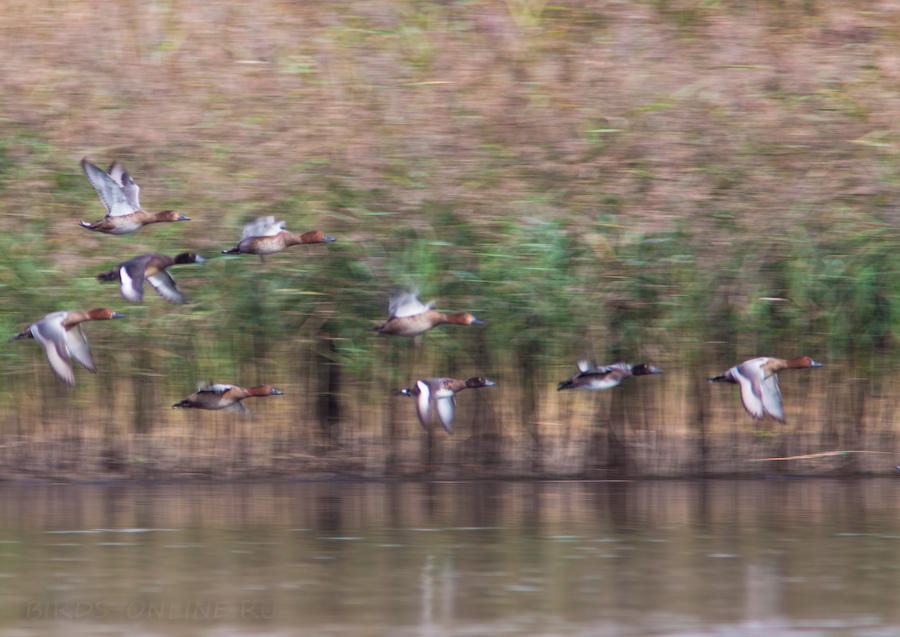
point(683, 183)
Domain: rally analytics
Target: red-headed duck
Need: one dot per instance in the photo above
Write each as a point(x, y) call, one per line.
point(119, 194)
point(440, 393)
point(758, 379)
point(409, 317)
point(152, 267)
point(266, 236)
point(222, 396)
point(595, 378)
point(62, 338)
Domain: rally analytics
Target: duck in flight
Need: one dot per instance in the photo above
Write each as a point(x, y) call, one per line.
point(61, 336)
point(594, 378)
point(119, 194)
point(265, 236)
point(223, 395)
point(409, 317)
point(758, 380)
point(150, 267)
point(439, 394)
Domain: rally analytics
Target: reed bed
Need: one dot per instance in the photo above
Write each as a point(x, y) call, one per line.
point(686, 184)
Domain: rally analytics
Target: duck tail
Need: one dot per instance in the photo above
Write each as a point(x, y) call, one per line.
point(89, 226)
point(26, 333)
point(234, 250)
point(181, 404)
point(566, 384)
point(112, 275)
point(722, 378)
point(376, 329)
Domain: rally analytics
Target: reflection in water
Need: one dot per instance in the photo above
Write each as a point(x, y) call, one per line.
point(764, 592)
point(561, 558)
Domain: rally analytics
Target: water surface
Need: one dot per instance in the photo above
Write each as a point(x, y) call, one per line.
point(792, 557)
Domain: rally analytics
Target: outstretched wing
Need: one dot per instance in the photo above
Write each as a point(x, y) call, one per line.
point(750, 378)
point(131, 279)
point(52, 337)
point(78, 348)
point(262, 227)
point(132, 191)
point(407, 304)
point(163, 283)
point(446, 405)
point(423, 403)
point(111, 193)
point(770, 394)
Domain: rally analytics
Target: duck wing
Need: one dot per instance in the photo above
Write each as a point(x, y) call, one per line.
point(131, 279)
point(164, 284)
point(52, 337)
point(423, 403)
point(77, 345)
point(590, 368)
point(218, 388)
point(111, 193)
point(407, 304)
point(750, 377)
point(262, 227)
point(446, 405)
point(771, 398)
point(132, 191)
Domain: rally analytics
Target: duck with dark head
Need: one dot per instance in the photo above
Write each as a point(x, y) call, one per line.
point(593, 378)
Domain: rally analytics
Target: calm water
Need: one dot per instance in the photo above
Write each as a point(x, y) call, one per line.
point(807, 557)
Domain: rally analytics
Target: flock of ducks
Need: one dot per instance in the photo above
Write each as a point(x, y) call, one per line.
point(756, 377)
point(61, 336)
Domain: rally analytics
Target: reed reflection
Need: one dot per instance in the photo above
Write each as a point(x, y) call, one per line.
point(441, 555)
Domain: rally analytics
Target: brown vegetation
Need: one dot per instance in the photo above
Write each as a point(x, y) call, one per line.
point(682, 183)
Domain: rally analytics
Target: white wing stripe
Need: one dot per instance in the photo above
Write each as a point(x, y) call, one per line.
point(129, 289)
point(423, 403)
point(445, 408)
